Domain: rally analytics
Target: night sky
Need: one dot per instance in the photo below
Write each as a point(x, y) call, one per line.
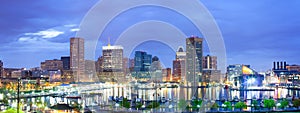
point(255, 32)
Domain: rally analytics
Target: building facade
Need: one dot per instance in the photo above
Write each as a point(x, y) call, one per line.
point(156, 64)
point(90, 69)
point(209, 62)
point(234, 71)
point(293, 68)
point(179, 65)
point(210, 70)
point(167, 75)
point(66, 62)
point(193, 60)
point(112, 58)
point(126, 66)
point(52, 65)
point(77, 62)
point(210, 76)
point(99, 64)
point(142, 61)
point(194, 53)
point(12, 72)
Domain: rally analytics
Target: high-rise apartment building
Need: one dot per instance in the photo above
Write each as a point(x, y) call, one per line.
point(112, 58)
point(142, 61)
point(52, 65)
point(194, 51)
point(77, 62)
point(179, 65)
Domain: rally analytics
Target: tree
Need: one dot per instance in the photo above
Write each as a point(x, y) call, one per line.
point(12, 110)
point(284, 103)
point(296, 103)
point(125, 103)
point(227, 105)
point(153, 105)
point(269, 103)
point(240, 105)
point(196, 104)
point(139, 105)
point(255, 104)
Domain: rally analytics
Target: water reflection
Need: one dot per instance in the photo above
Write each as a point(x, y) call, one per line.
point(173, 92)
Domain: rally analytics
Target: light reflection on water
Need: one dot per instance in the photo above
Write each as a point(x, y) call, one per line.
point(147, 93)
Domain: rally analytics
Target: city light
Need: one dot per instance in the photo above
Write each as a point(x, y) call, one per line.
point(149, 56)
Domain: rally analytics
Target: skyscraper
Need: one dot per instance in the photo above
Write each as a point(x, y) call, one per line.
point(179, 65)
point(142, 61)
point(194, 63)
point(112, 58)
point(209, 62)
point(66, 62)
point(77, 63)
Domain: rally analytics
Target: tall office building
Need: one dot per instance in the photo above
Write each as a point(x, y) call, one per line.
point(194, 63)
point(66, 62)
point(179, 65)
point(1, 69)
point(209, 62)
point(112, 58)
point(77, 62)
point(142, 61)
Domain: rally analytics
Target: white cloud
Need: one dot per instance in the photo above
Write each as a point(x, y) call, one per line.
point(70, 25)
point(74, 30)
point(49, 33)
point(34, 44)
point(27, 39)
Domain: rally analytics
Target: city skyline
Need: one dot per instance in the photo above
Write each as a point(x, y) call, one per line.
point(35, 34)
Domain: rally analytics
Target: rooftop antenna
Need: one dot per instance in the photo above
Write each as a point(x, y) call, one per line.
point(108, 41)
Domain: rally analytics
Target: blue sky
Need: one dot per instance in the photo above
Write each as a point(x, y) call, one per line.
point(255, 32)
